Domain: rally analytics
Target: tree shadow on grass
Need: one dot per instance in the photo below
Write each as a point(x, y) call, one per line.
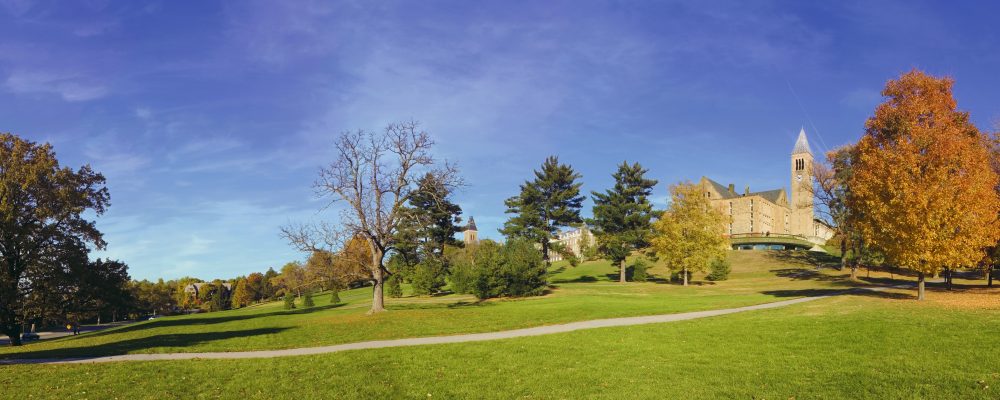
point(806, 274)
point(813, 258)
point(196, 319)
point(835, 292)
point(581, 279)
point(178, 340)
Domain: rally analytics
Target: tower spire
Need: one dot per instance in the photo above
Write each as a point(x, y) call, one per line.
point(801, 144)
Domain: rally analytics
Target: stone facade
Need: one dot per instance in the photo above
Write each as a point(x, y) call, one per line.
point(470, 235)
point(773, 211)
point(572, 240)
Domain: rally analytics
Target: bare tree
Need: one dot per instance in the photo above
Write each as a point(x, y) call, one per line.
point(373, 176)
point(830, 194)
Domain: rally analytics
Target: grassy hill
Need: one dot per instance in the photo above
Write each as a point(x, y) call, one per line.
point(869, 345)
point(577, 293)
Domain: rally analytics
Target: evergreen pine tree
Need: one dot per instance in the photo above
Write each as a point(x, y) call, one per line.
point(307, 300)
point(334, 296)
point(289, 301)
point(623, 215)
point(552, 200)
point(393, 286)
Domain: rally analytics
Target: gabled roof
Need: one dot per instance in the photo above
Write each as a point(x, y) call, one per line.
point(723, 190)
point(773, 196)
point(801, 144)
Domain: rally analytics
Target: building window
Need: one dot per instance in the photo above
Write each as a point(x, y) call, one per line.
point(730, 208)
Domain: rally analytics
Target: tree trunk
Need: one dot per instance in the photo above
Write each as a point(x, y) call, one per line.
point(843, 253)
point(854, 272)
point(920, 286)
point(685, 272)
point(621, 271)
point(948, 279)
point(545, 252)
point(989, 277)
point(378, 300)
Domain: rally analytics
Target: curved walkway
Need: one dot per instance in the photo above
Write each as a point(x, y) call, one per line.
point(472, 337)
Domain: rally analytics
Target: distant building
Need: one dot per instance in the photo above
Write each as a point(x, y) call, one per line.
point(773, 211)
point(572, 240)
point(195, 288)
point(470, 235)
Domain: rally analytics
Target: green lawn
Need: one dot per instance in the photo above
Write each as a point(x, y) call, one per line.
point(578, 293)
point(845, 347)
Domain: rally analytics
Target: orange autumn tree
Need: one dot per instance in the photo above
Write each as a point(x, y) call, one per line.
point(922, 184)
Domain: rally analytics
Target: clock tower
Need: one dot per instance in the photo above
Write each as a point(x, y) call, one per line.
point(801, 218)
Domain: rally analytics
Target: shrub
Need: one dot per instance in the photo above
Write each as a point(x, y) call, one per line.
point(493, 270)
point(463, 274)
point(393, 286)
point(427, 276)
point(307, 300)
point(289, 301)
point(523, 270)
point(639, 271)
point(334, 296)
point(573, 260)
point(719, 270)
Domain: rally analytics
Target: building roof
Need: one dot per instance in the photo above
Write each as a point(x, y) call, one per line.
point(722, 189)
point(801, 144)
point(472, 225)
point(771, 195)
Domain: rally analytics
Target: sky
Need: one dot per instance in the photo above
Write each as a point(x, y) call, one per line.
point(211, 119)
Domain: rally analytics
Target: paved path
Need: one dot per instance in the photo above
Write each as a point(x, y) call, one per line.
point(4, 341)
point(473, 337)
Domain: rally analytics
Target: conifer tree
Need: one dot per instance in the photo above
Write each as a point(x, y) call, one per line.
point(550, 201)
point(623, 215)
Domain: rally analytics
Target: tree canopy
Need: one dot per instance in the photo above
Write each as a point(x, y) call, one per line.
point(373, 176)
point(550, 201)
point(689, 235)
point(623, 215)
point(42, 219)
point(922, 179)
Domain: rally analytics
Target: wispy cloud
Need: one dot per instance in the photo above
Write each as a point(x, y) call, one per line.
point(67, 86)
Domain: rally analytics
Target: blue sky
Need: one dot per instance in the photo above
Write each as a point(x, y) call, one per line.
point(210, 119)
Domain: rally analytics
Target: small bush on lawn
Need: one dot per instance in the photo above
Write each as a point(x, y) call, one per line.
point(719, 270)
point(307, 300)
point(639, 273)
point(494, 270)
point(393, 286)
point(334, 296)
point(289, 301)
point(427, 276)
point(462, 272)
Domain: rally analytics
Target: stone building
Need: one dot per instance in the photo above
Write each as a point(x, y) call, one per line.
point(572, 239)
point(773, 211)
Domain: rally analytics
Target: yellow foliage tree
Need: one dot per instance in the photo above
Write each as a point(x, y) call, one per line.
point(922, 187)
point(689, 236)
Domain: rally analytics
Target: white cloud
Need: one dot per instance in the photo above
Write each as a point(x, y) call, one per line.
point(71, 88)
point(143, 113)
